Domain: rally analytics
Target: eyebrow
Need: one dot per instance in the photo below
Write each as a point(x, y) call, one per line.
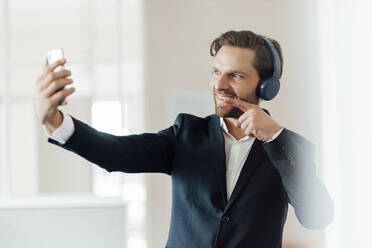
point(233, 71)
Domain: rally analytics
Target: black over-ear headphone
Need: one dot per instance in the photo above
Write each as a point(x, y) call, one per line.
point(268, 88)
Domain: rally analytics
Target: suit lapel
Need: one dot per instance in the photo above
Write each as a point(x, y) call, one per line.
point(219, 159)
point(218, 154)
point(254, 158)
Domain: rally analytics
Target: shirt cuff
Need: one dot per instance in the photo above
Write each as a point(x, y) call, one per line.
point(275, 135)
point(64, 132)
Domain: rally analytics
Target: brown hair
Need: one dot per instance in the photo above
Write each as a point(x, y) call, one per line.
point(263, 61)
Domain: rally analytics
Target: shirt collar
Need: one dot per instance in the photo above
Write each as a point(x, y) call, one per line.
point(224, 128)
point(223, 125)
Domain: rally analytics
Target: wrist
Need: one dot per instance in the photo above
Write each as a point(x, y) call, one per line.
point(55, 122)
point(275, 133)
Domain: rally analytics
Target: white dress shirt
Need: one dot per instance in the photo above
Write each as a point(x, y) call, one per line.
point(236, 150)
point(64, 132)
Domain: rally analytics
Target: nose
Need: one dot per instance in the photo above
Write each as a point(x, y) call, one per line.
point(221, 83)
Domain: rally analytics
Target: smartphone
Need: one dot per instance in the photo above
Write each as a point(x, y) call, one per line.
point(53, 56)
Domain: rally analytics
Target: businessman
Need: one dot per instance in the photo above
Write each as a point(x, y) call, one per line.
point(233, 172)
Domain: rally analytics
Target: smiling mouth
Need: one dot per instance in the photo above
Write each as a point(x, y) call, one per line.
point(220, 102)
point(222, 97)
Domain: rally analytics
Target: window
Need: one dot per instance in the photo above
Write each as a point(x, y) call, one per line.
point(345, 50)
point(106, 65)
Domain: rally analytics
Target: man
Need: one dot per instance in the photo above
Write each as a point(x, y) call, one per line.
point(233, 173)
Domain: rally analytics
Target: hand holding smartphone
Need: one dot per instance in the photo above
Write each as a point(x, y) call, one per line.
point(53, 56)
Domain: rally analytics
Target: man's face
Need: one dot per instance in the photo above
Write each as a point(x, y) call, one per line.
point(233, 76)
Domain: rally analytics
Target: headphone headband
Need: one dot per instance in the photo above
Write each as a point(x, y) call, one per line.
point(275, 57)
point(268, 88)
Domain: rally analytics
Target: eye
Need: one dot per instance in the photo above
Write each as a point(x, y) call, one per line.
point(235, 75)
point(215, 72)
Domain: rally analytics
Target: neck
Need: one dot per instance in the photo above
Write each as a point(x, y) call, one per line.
point(235, 131)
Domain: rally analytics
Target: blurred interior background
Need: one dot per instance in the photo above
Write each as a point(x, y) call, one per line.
point(136, 64)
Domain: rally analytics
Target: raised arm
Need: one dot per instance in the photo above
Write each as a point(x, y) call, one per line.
point(147, 152)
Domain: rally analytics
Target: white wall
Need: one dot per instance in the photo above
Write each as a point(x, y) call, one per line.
point(90, 38)
point(177, 39)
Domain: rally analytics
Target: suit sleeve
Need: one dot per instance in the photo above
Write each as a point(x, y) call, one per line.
point(293, 156)
point(147, 152)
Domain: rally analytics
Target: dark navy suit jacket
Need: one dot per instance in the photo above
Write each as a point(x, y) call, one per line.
point(192, 152)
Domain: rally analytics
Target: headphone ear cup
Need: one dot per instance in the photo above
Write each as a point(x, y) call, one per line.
point(267, 89)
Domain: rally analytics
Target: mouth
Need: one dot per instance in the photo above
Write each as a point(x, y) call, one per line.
point(220, 98)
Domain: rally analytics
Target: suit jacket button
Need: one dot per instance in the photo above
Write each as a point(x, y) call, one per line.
point(289, 156)
point(225, 219)
point(284, 148)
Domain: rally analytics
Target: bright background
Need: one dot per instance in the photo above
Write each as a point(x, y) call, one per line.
point(136, 64)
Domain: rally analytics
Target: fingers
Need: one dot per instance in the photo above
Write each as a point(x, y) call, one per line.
point(50, 91)
point(50, 68)
point(61, 95)
point(254, 126)
point(244, 116)
point(244, 124)
point(53, 76)
point(248, 129)
point(243, 105)
point(57, 85)
point(47, 69)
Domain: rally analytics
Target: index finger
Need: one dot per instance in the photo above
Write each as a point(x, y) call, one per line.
point(49, 68)
point(53, 66)
point(243, 105)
